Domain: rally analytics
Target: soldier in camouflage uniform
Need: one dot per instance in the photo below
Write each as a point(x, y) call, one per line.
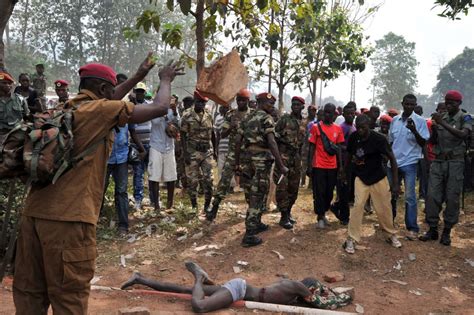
point(449, 132)
point(256, 140)
point(187, 103)
point(13, 109)
point(229, 129)
point(289, 134)
point(196, 134)
point(38, 80)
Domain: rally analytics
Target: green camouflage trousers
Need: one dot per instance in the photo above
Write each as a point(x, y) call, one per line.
point(228, 172)
point(199, 171)
point(325, 298)
point(16, 200)
point(287, 190)
point(255, 180)
point(180, 165)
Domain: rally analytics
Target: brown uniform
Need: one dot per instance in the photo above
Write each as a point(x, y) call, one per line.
point(56, 252)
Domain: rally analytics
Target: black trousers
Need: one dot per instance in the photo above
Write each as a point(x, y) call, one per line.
point(324, 181)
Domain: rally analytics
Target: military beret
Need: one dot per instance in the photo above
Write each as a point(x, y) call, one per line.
point(61, 83)
point(364, 110)
point(298, 98)
point(453, 95)
point(265, 96)
point(98, 71)
point(199, 96)
point(6, 77)
point(386, 118)
point(244, 93)
point(392, 111)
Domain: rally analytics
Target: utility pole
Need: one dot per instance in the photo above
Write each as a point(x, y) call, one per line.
point(353, 86)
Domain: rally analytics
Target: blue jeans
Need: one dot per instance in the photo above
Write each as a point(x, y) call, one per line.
point(408, 173)
point(139, 175)
point(119, 174)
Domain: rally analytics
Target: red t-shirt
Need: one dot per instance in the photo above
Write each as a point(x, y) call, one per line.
point(321, 159)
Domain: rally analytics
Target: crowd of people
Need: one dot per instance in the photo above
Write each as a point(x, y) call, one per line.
point(359, 153)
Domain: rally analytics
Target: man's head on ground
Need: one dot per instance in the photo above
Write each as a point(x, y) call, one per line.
point(39, 68)
point(99, 79)
point(188, 101)
point(329, 113)
point(441, 108)
point(6, 84)
point(121, 78)
point(408, 104)
point(297, 105)
point(349, 114)
point(24, 80)
point(140, 90)
point(266, 102)
point(453, 99)
point(363, 126)
point(242, 99)
point(62, 90)
point(200, 102)
point(418, 110)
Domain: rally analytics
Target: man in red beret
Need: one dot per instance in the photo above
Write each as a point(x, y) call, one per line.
point(197, 137)
point(14, 107)
point(228, 130)
point(290, 134)
point(56, 246)
point(445, 182)
point(62, 91)
point(256, 141)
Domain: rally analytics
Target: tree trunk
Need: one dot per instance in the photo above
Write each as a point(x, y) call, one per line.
point(6, 12)
point(200, 42)
point(25, 26)
point(312, 89)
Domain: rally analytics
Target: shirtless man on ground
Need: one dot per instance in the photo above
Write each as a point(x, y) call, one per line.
point(309, 291)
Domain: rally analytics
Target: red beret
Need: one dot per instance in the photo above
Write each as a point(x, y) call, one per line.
point(386, 118)
point(392, 111)
point(265, 96)
point(363, 110)
point(199, 96)
point(298, 98)
point(244, 93)
point(61, 83)
point(6, 77)
point(98, 71)
point(453, 95)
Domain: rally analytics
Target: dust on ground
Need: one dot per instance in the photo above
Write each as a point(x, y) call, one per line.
point(440, 280)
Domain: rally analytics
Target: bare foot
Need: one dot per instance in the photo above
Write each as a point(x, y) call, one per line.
point(198, 272)
point(133, 280)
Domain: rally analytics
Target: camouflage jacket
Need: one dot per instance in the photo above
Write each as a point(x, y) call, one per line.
point(12, 111)
point(234, 116)
point(197, 127)
point(290, 133)
point(39, 84)
point(255, 128)
point(447, 143)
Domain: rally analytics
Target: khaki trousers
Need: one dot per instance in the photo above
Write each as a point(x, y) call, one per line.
point(54, 264)
point(380, 196)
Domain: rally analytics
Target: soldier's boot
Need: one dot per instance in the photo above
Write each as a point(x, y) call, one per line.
point(285, 220)
point(292, 220)
point(207, 203)
point(251, 239)
point(211, 215)
point(194, 204)
point(430, 235)
point(261, 227)
point(446, 237)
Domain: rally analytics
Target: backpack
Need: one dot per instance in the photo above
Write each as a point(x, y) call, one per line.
point(41, 148)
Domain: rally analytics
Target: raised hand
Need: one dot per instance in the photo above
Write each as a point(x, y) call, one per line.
point(170, 71)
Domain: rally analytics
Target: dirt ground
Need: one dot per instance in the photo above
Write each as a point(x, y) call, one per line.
point(439, 281)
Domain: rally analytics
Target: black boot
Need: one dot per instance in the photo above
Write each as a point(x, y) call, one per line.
point(446, 237)
point(292, 221)
point(211, 215)
point(430, 235)
point(285, 220)
point(194, 203)
point(251, 239)
point(207, 203)
point(261, 227)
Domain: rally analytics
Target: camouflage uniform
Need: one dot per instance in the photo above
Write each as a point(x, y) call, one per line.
point(39, 84)
point(290, 133)
point(446, 172)
point(256, 162)
point(324, 298)
point(233, 116)
point(197, 129)
point(12, 111)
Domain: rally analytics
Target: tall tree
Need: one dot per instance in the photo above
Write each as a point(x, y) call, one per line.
point(458, 74)
point(394, 65)
point(452, 8)
point(5, 14)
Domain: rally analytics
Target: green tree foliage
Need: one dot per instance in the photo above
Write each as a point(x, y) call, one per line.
point(458, 74)
point(452, 8)
point(394, 69)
